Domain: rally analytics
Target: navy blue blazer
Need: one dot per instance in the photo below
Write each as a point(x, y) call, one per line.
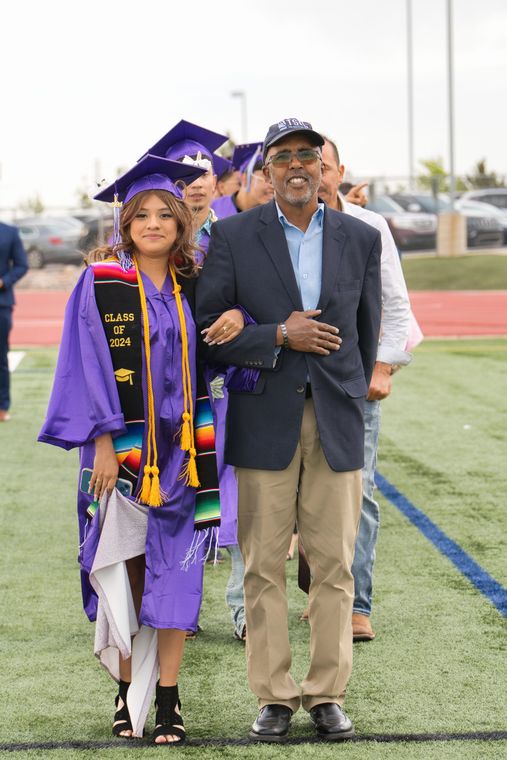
point(13, 263)
point(248, 263)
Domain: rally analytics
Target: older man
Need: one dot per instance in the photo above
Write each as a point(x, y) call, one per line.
point(391, 355)
point(304, 273)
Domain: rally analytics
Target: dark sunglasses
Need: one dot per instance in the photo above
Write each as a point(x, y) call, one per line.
point(304, 156)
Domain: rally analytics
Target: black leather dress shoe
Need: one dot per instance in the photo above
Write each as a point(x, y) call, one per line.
point(272, 724)
point(331, 722)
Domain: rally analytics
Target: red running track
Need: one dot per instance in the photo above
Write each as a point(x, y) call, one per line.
point(457, 313)
point(38, 316)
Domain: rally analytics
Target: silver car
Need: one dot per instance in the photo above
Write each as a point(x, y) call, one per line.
point(49, 240)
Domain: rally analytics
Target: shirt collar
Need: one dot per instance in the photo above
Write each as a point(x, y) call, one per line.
point(318, 216)
point(206, 227)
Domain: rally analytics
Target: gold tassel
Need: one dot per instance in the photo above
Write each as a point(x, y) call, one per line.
point(189, 471)
point(185, 439)
point(155, 499)
point(192, 477)
point(144, 496)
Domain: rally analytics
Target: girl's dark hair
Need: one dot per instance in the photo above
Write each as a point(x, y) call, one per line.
point(182, 254)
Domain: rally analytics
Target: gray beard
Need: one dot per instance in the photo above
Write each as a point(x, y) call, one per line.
point(295, 198)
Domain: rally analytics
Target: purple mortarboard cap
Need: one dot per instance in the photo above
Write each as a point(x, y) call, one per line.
point(244, 154)
point(187, 139)
point(150, 173)
point(225, 166)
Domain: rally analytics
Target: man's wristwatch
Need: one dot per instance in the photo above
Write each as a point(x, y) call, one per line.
point(285, 335)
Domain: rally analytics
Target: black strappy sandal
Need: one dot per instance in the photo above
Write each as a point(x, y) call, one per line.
point(168, 720)
point(121, 718)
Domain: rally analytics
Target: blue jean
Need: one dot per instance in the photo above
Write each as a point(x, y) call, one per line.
point(5, 328)
point(364, 557)
point(234, 591)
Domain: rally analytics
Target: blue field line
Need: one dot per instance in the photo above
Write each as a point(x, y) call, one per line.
point(482, 580)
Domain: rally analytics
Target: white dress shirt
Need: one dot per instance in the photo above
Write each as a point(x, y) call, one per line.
point(395, 322)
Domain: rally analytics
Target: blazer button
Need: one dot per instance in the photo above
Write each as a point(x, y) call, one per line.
point(300, 389)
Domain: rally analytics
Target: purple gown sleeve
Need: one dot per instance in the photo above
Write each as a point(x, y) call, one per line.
point(240, 378)
point(84, 402)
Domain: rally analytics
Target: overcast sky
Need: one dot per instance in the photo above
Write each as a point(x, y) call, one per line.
point(88, 86)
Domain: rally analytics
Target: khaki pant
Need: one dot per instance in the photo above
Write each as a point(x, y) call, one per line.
point(327, 507)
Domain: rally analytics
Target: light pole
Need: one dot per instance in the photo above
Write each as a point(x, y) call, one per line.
point(450, 88)
point(242, 95)
point(451, 235)
point(410, 98)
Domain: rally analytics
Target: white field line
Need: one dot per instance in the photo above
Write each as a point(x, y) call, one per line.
point(15, 358)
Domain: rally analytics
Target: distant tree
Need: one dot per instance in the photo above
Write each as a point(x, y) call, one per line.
point(227, 149)
point(83, 198)
point(481, 177)
point(33, 205)
point(436, 178)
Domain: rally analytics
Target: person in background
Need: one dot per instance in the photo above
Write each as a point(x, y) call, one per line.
point(13, 266)
point(229, 182)
point(191, 144)
point(354, 193)
point(391, 355)
point(304, 273)
point(255, 187)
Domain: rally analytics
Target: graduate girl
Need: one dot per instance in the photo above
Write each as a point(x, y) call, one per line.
point(124, 392)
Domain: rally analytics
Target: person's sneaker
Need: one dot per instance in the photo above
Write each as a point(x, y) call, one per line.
point(4, 415)
point(241, 635)
point(361, 628)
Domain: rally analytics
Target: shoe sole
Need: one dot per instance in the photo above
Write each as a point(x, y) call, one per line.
point(268, 738)
point(363, 637)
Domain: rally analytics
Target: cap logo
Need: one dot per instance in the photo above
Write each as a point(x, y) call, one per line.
point(291, 123)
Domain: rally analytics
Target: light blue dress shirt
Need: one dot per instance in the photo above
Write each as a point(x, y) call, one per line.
point(305, 250)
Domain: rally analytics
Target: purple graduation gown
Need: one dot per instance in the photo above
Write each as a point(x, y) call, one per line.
point(224, 207)
point(84, 404)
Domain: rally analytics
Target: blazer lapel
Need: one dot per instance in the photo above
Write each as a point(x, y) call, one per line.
point(333, 243)
point(273, 237)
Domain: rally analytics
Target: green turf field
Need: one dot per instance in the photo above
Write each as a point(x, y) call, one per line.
point(469, 272)
point(438, 664)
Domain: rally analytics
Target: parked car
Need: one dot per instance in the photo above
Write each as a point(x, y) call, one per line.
point(495, 196)
point(98, 229)
point(51, 240)
point(484, 227)
point(411, 231)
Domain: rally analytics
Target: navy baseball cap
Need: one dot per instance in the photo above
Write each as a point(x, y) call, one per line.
point(287, 127)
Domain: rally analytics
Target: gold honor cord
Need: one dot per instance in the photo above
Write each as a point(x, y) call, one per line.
point(150, 490)
point(187, 439)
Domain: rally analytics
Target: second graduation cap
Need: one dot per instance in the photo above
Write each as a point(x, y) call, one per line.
point(188, 140)
point(246, 154)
